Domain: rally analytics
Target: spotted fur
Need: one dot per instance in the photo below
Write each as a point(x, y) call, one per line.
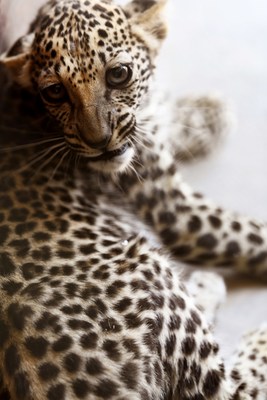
point(91, 306)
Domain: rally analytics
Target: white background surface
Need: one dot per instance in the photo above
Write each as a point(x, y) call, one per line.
point(219, 46)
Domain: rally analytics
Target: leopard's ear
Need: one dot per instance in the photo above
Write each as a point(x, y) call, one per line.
point(16, 60)
point(147, 21)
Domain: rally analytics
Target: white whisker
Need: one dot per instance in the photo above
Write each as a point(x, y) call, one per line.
point(32, 144)
point(59, 164)
point(140, 142)
point(140, 179)
point(68, 163)
point(49, 160)
point(40, 157)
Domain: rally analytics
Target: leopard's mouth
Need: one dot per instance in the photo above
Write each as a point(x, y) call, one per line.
point(111, 161)
point(109, 155)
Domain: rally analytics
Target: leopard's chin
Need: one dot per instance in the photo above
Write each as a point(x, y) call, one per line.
point(110, 154)
point(114, 161)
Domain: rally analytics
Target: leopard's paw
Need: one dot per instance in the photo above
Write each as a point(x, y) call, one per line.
point(209, 292)
point(204, 121)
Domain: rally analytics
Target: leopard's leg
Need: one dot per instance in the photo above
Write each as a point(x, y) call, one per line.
point(200, 124)
point(208, 291)
point(201, 373)
point(190, 127)
point(194, 228)
point(249, 365)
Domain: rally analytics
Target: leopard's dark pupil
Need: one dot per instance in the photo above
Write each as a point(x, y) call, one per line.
point(118, 72)
point(57, 89)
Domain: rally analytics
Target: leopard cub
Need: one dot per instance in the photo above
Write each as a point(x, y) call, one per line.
point(94, 213)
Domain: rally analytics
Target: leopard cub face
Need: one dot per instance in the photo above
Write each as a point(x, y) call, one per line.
point(91, 64)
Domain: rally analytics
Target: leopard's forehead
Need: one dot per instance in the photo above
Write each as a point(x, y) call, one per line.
point(81, 30)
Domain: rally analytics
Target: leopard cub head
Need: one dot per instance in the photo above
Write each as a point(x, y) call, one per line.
point(91, 62)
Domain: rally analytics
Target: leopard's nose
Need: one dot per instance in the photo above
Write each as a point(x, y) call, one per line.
point(96, 141)
point(100, 145)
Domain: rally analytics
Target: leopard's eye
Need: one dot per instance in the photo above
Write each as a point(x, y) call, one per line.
point(118, 77)
point(54, 93)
